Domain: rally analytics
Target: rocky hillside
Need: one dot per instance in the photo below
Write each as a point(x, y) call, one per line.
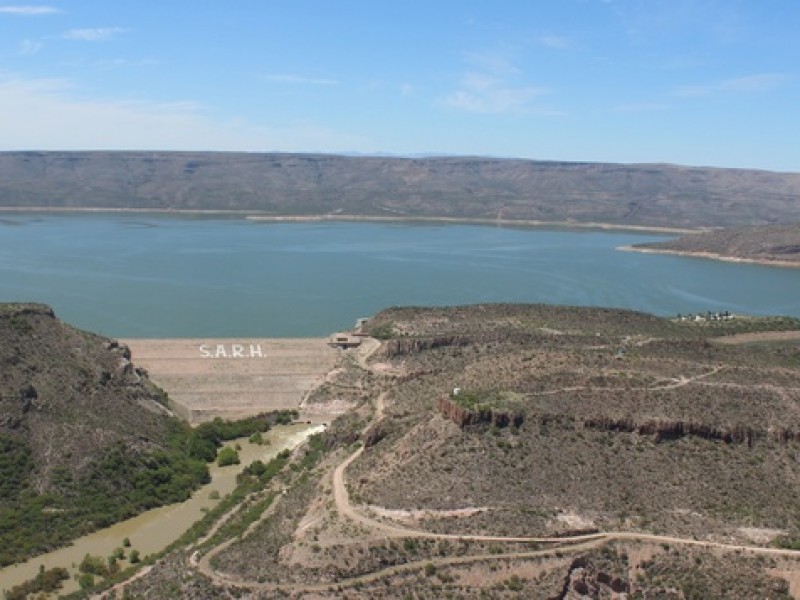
point(455, 187)
point(86, 437)
point(617, 417)
point(768, 244)
point(519, 451)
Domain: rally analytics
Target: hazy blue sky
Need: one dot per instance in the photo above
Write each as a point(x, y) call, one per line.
point(699, 82)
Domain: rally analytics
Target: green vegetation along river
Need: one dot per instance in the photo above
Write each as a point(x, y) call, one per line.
point(154, 530)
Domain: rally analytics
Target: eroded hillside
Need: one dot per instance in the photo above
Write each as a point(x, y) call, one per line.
point(86, 438)
point(606, 453)
point(626, 421)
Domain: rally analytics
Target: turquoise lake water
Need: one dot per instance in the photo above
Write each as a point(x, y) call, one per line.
point(165, 276)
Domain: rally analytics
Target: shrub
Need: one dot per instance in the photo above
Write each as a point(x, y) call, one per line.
point(86, 581)
point(384, 331)
point(46, 581)
point(93, 565)
point(228, 456)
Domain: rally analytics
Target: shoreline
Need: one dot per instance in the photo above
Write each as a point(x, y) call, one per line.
point(786, 264)
point(532, 223)
point(256, 216)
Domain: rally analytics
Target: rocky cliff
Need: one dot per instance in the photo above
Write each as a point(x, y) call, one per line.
point(463, 416)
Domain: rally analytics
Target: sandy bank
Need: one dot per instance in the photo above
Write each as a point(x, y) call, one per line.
point(469, 221)
point(791, 264)
point(254, 215)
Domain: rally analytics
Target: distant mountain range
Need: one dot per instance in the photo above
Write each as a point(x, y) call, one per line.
point(652, 195)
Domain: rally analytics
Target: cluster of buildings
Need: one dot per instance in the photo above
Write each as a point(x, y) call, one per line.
point(707, 316)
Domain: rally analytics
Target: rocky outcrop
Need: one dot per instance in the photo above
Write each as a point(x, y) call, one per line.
point(407, 346)
point(375, 433)
point(664, 429)
point(583, 580)
point(463, 416)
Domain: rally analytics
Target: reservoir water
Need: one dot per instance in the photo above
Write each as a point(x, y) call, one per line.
point(143, 275)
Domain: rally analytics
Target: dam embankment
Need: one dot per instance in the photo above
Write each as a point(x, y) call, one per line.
point(233, 378)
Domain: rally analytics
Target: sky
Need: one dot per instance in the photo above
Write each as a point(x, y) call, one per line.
point(692, 82)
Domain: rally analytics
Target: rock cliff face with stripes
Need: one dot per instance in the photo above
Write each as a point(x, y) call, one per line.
point(463, 416)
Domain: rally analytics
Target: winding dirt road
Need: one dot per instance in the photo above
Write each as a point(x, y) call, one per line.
point(347, 510)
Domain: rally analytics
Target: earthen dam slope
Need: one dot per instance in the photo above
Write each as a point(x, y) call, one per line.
point(233, 378)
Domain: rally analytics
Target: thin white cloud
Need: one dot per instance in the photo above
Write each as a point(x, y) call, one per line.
point(120, 63)
point(299, 79)
point(556, 42)
point(761, 82)
point(643, 107)
point(29, 10)
point(498, 63)
point(92, 34)
point(495, 85)
point(51, 114)
point(480, 93)
point(29, 47)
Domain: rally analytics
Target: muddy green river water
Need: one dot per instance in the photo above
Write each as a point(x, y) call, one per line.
point(154, 530)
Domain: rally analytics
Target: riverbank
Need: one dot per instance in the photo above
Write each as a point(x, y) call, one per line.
point(251, 215)
point(152, 531)
point(789, 264)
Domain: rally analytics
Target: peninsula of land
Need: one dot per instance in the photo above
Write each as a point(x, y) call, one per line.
point(777, 245)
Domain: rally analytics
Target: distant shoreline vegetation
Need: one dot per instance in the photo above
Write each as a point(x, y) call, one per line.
point(257, 216)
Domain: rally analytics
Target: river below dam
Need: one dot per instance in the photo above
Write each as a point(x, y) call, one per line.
point(171, 276)
point(155, 529)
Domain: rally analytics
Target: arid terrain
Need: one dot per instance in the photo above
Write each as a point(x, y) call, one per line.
point(528, 451)
point(476, 188)
point(777, 245)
